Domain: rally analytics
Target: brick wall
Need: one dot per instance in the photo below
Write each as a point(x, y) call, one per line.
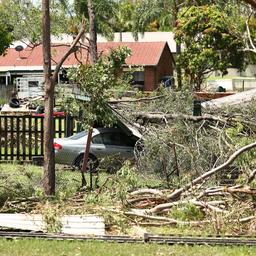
point(165, 65)
point(153, 74)
point(150, 78)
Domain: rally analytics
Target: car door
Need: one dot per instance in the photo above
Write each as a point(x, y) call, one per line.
point(112, 143)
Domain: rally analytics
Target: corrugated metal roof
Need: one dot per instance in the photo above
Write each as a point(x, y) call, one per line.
point(143, 54)
point(70, 224)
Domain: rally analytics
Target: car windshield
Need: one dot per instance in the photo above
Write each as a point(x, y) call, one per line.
point(78, 135)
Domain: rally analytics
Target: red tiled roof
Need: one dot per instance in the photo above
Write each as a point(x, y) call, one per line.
point(143, 54)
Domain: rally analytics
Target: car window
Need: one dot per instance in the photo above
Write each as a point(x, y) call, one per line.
point(126, 140)
point(109, 138)
point(97, 139)
point(117, 139)
point(78, 135)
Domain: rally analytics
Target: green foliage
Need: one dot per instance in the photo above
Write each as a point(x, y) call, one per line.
point(51, 217)
point(128, 180)
point(25, 19)
point(176, 146)
point(151, 15)
point(18, 181)
point(95, 82)
point(191, 148)
point(240, 138)
point(122, 20)
point(187, 212)
point(181, 147)
point(5, 37)
point(213, 41)
point(104, 12)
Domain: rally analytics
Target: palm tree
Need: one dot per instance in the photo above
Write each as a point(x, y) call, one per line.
point(122, 21)
point(104, 12)
point(164, 14)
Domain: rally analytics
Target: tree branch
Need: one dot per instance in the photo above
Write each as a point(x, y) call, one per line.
point(159, 117)
point(249, 32)
point(251, 2)
point(164, 220)
point(136, 100)
point(65, 56)
point(176, 194)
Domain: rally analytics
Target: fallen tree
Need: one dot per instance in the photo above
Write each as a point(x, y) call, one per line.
point(176, 142)
point(208, 174)
point(164, 118)
point(231, 100)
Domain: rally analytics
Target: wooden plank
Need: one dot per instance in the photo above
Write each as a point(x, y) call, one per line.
point(6, 139)
point(36, 135)
point(42, 136)
point(60, 127)
point(212, 95)
point(18, 138)
point(71, 224)
point(24, 138)
point(1, 137)
point(30, 138)
point(11, 137)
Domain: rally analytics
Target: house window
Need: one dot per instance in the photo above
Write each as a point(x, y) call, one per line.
point(138, 77)
point(33, 84)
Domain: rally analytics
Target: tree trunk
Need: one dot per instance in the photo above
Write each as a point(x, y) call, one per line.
point(86, 155)
point(49, 159)
point(49, 83)
point(178, 46)
point(177, 193)
point(49, 165)
point(93, 58)
point(178, 69)
point(251, 2)
point(92, 32)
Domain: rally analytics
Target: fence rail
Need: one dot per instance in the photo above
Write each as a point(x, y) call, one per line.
point(21, 137)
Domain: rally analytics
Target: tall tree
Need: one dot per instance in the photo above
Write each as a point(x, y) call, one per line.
point(24, 17)
point(161, 13)
point(5, 38)
point(49, 164)
point(104, 10)
point(123, 18)
point(92, 32)
point(50, 80)
point(99, 22)
point(212, 42)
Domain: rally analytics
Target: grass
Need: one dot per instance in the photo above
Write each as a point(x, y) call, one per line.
point(26, 180)
point(77, 248)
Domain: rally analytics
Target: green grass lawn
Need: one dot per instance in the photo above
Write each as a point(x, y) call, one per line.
point(76, 248)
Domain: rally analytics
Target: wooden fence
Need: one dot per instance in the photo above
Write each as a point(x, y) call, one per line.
point(21, 137)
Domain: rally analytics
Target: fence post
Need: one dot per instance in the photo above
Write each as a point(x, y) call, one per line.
point(197, 110)
point(68, 125)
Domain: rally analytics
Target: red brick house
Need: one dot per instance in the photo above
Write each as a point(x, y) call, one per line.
point(153, 60)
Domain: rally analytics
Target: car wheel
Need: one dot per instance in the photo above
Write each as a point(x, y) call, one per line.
point(93, 162)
